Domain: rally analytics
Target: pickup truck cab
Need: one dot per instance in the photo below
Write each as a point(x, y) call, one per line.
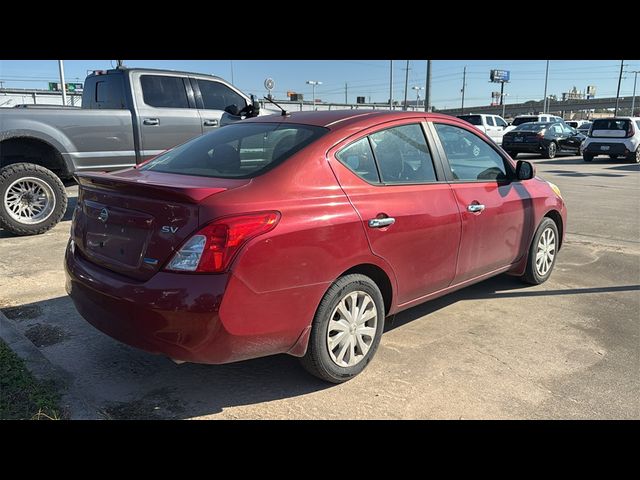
point(493, 126)
point(128, 115)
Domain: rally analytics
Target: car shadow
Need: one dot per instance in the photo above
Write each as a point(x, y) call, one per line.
point(573, 173)
point(120, 382)
point(579, 161)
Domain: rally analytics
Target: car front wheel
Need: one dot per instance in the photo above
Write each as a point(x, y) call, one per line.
point(346, 329)
point(542, 253)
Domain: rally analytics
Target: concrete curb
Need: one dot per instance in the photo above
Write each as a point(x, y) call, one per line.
point(44, 371)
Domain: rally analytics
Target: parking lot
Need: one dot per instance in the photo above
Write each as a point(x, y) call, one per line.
point(569, 348)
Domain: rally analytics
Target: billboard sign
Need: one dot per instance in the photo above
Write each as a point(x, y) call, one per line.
point(499, 76)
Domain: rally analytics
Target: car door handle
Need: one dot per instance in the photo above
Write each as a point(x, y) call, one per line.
point(151, 121)
point(211, 123)
point(381, 222)
point(475, 208)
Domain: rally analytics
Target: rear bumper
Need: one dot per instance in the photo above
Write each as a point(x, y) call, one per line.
point(610, 148)
point(178, 315)
point(533, 147)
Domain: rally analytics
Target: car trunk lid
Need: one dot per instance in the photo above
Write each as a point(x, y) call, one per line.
point(133, 221)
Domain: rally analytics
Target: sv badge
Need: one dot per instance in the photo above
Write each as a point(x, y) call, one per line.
point(168, 229)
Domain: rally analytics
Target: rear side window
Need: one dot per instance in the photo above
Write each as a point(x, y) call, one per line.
point(358, 158)
point(239, 150)
point(490, 122)
point(164, 92)
point(470, 157)
point(109, 93)
point(217, 96)
point(472, 119)
point(521, 120)
point(402, 155)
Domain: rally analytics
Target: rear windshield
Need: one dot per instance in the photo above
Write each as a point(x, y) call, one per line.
point(532, 127)
point(610, 124)
point(472, 119)
point(585, 126)
point(521, 120)
point(239, 150)
point(572, 124)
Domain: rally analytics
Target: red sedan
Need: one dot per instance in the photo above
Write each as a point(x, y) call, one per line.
point(300, 233)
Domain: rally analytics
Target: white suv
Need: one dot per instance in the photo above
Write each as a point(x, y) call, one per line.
point(493, 125)
point(616, 137)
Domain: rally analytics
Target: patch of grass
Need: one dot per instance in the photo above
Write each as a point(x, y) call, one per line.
point(21, 396)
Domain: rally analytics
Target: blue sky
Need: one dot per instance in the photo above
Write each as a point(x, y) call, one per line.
point(369, 78)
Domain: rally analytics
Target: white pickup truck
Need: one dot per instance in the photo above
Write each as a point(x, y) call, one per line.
point(492, 125)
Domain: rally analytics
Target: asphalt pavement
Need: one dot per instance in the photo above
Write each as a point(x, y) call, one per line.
point(569, 348)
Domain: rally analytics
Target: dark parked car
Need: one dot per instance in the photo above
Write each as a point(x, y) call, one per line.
point(584, 128)
point(300, 233)
point(547, 138)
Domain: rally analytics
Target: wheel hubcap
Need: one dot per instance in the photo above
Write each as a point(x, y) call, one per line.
point(552, 150)
point(29, 200)
point(545, 252)
point(352, 328)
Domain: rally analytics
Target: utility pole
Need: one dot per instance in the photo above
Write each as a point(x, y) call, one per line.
point(391, 86)
point(345, 93)
point(62, 84)
point(427, 89)
point(232, 82)
point(633, 100)
point(464, 83)
point(417, 89)
point(618, 92)
point(546, 78)
point(406, 84)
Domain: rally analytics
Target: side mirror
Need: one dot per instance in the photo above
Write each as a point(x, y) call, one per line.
point(525, 170)
point(232, 110)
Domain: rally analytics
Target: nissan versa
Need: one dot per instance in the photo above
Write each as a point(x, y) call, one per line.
point(299, 233)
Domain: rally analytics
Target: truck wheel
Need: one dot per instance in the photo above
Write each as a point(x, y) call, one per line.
point(346, 330)
point(32, 199)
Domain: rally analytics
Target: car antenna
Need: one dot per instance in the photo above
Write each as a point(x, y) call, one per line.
point(284, 112)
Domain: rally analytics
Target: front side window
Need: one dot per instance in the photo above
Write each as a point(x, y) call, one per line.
point(500, 122)
point(470, 158)
point(217, 96)
point(163, 91)
point(402, 155)
point(239, 150)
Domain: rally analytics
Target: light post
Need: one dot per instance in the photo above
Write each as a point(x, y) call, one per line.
point(313, 83)
point(502, 95)
point(417, 89)
point(633, 99)
point(548, 99)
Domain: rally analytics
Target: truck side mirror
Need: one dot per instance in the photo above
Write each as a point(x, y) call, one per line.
point(232, 110)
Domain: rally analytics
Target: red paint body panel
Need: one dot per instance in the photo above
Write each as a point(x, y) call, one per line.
point(265, 303)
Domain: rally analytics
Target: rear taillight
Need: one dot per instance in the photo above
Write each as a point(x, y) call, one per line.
point(213, 247)
point(630, 130)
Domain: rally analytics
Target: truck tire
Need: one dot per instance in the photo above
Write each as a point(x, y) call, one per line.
point(32, 199)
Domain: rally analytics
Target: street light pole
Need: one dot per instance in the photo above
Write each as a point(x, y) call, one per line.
point(464, 83)
point(417, 89)
point(503, 103)
point(618, 92)
point(313, 83)
point(406, 83)
point(633, 99)
point(546, 79)
point(62, 84)
point(427, 93)
point(391, 86)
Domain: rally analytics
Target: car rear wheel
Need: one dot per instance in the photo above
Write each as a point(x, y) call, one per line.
point(550, 151)
point(346, 329)
point(587, 157)
point(32, 199)
point(542, 253)
point(635, 157)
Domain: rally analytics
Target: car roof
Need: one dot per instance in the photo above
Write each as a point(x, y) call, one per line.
point(333, 119)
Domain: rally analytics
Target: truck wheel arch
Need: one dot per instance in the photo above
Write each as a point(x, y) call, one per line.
point(30, 149)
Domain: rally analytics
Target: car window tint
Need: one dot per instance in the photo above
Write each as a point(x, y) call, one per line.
point(358, 158)
point(470, 157)
point(402, 155)
point(163, 91)
point(490, 121)
point(557, 128)
point(638, 123)
point(500, 122)
point(217, 96)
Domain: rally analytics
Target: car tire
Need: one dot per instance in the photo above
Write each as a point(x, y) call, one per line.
point(550, 150)
point(587, 157)
point(635, 157)
point(45, 193)
point(542, 253)
point(513, 154)
point(348, 357)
